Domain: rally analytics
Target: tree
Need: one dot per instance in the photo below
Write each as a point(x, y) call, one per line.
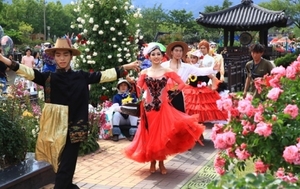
point(106, 39)
point(152, 21)
point(291, 8)
point(179, 20)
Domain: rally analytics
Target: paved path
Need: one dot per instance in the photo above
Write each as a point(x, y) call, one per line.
point(108, 168)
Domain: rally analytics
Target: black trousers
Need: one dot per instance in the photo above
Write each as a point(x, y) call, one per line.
point(66, 168)
point(178, 102)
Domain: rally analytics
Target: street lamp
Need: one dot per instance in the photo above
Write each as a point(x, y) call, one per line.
point(48, 28)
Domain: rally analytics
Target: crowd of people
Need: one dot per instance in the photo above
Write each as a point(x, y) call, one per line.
point(179, 87)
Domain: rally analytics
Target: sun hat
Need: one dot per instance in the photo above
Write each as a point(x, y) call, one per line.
point(123, 81)
point(177, 43)
point(197, 53)
point(62, 44)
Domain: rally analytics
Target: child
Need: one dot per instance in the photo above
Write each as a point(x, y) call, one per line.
point(120, 120)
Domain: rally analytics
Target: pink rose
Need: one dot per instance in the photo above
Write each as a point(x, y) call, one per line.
point(275, 81)
point(291, 72)
point(242, 154)
point(291, 110)
point(219, 142)
point(280, 71)
point(219, 162)
point(220, 170)
point(258, 82)
point(263, 129)
point(274, 93)
point(280, 173)
point(260, 167)
point(258, 117)
point(290, 153)
point(230, 152)
point(245, 106)
point(229, 138)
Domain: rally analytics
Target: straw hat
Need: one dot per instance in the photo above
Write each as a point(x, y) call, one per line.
point(177, 43)
point(62, 44)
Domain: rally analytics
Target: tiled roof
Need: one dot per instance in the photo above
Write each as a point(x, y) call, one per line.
point(243, 16)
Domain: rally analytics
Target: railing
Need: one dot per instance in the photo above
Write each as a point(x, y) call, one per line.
point(235, 71)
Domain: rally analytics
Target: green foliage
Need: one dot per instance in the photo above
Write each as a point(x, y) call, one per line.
point(286, 60)
point(107, 38)
point(19, 124)
point(13, 143)
point(91, 144)
point(250, 181)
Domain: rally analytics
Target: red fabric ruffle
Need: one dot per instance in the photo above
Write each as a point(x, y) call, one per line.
point(202, 101)
point(169, 132)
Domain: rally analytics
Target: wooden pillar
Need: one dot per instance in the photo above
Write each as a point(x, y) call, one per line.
point(225, 38)
point(263, 36)
point(231, 38)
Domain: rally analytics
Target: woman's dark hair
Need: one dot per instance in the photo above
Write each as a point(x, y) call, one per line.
point(35, 53)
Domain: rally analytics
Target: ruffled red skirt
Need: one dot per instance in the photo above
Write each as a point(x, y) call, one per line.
point(202, 101)
point(168, 132)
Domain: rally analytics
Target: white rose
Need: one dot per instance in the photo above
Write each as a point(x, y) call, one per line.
point(119, 55)
point(92, 43)
point(141, 37)
point(109, 56)
point(119, 33)
point(88, 42)
point(115, 8)
point(96, 26)
point(87, 50)
point(128, 43)
point(88, 57)
point(128, 55)
point(131, 7)
point(117, 20)
point(80, 26)
point(120, 60)
point(140, 16)
point(91, 20)
point(82, 21)
point(137, 25)
point(135, 15)
point(72, 26)
point(91, 6)
point(78, 19)
point(113, 39)
point(115, 46)
point(85, 31)
point(100, 32)
point(95, 54)
point(112, 29)
point(85, 16)
point(119, 49)
point(106, 22)
point(125, 7)
point(125, 49)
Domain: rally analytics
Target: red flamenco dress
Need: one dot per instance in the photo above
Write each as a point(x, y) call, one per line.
point(201, 100)
point(163, 130)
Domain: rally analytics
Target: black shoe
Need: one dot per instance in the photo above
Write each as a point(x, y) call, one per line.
point(73, 186)
point(115, 138)
point(131, 138)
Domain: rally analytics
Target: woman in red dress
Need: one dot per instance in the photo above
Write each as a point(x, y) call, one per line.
point(163, 130)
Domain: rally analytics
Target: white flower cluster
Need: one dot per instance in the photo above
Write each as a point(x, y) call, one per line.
point(89, 25)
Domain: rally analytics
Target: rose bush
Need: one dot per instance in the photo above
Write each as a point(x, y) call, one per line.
point(265, 131)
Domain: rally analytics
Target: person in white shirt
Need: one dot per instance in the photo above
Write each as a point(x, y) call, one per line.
point(175, 52)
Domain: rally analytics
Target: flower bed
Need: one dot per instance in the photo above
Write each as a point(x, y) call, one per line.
point(266, 131)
